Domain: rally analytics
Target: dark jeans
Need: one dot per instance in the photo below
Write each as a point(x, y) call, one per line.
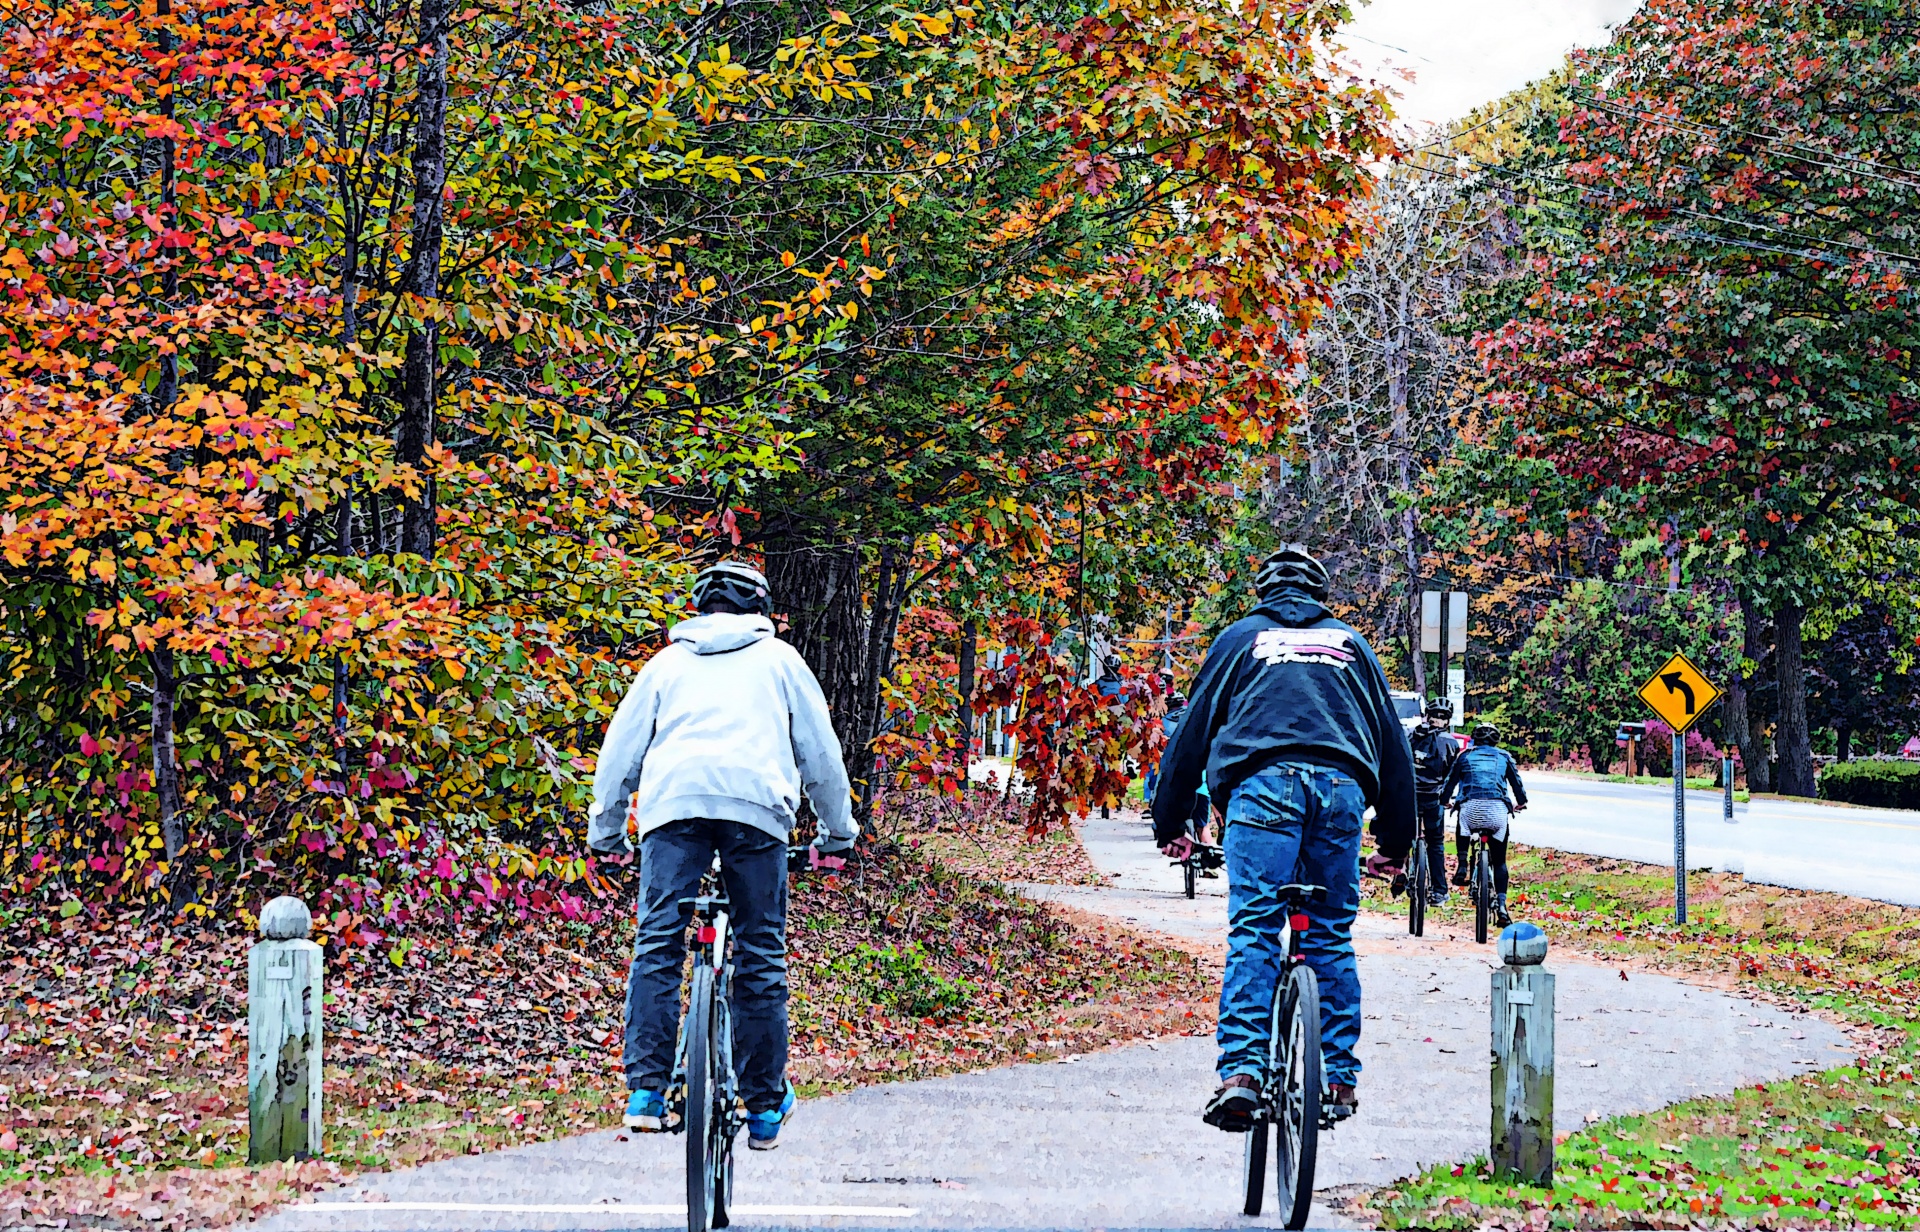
point(1433, 829)
point(1291, 822)
point(1496, 856)
point(754, 868)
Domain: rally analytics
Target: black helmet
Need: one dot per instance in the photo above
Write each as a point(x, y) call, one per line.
point(1486, 733)
point(1292, 566)
point(739, 584)
point(1441, 706)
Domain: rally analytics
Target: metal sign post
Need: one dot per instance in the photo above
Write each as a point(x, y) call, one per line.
point(1679, 694)
point(1443, 632)
point(1679, 827)
point(1726, 785)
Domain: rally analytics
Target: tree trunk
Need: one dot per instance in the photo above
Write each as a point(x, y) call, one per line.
point(166, 775)
point(1401, 426)
point(169, 387)
point(969, 647)
point(1741, 719)
point(846, 639)
point(419, 371)
point(343, 543)
point(1795, 740)
point(1415, 656)
point(1844, 742)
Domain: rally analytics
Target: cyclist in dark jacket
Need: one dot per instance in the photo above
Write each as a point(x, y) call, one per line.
point(1478, 783)
point(1294, 728)
point(1434, 750)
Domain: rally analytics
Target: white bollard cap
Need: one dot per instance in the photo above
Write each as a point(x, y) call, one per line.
point(286, 919)
point(1523, 945)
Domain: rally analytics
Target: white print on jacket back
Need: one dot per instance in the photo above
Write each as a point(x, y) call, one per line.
point(1332, 647)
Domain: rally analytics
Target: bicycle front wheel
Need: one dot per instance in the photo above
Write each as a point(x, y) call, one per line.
point(701, 1083)
point(1187, 866)
point(1296, 1098)
point(1417, 890)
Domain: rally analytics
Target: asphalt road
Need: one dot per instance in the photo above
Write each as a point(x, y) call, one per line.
point(1113, 1139)
point(1870, 853)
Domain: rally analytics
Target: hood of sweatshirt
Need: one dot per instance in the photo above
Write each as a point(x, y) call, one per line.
point(1292, 608)
point(720, 632)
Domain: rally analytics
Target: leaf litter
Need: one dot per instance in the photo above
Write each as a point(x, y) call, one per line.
point(123, 1041)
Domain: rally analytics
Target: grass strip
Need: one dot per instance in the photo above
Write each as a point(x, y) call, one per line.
point(1829, 1150)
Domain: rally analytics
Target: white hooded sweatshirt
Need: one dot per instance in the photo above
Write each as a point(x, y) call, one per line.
point(727, 722)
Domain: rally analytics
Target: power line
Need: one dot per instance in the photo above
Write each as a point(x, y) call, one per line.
point(1808, 254)
point(1772, 143)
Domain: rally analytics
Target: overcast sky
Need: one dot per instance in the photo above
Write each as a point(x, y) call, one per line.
point(1467, 52)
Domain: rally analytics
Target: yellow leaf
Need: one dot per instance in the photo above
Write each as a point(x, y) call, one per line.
point(456, 669)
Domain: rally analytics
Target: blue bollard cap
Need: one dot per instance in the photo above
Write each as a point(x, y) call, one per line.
point(1523, 945)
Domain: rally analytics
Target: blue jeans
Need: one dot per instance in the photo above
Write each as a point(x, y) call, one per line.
point(754, 868)
point(1291, 822)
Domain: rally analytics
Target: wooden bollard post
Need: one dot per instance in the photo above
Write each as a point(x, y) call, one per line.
point(1522, 1145)
point(283, 1036)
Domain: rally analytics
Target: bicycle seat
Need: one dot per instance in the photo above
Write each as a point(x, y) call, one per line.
point(1302, 891)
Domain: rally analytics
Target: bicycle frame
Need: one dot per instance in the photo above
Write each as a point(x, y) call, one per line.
point(710, 945)
point(705, 1091)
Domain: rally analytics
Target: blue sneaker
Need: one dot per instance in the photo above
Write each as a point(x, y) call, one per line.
point(646, 1112)
point(763, 1128)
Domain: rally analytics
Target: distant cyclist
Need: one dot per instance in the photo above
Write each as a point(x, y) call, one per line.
point(1169, 724)
point(1434, 748)
point(719, 734)
point(1478, 782)
point(1294, 728)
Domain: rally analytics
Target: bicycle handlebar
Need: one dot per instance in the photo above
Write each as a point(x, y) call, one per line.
point(808, 858)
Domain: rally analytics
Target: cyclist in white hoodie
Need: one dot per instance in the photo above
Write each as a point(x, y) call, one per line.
point(719, 734)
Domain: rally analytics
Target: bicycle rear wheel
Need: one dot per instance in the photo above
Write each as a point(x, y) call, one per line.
point(1296, 1099)
point(1254, 1173)
point(1417, 890)
point(1254, 1156)
point(701, 1083)
point(1482, 890)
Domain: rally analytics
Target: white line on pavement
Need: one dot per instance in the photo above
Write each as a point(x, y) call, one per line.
point(618, 1208)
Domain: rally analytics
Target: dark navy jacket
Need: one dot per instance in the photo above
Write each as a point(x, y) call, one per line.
point(1289, 682)
point(1484, 772)
point(1434, 750)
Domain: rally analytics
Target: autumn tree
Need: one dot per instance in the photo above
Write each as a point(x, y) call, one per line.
point(1384, 384)
point(1099, 287)
point(1716, 325)
point(370, 546)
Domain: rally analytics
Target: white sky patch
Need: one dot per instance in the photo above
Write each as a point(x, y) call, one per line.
point(1463, 53)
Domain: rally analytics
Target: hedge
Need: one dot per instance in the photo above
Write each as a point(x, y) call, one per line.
point(1874, 781)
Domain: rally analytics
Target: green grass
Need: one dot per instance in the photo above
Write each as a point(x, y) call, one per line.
point(1763, 1156)
point(1834, 1147)
point(1694, 783)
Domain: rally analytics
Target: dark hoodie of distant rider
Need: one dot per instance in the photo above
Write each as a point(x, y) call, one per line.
point(1291, 720)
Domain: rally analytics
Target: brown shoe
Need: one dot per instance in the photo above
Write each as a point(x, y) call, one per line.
point(1342, 1100)
point(1234, 1106)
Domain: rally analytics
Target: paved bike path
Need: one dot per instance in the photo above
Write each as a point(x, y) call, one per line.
point(1113, 1139)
